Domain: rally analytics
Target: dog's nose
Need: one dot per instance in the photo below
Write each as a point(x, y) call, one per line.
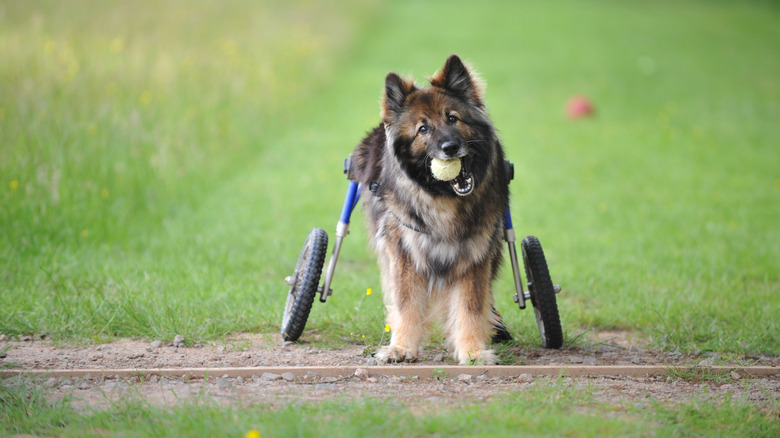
point(450, 148)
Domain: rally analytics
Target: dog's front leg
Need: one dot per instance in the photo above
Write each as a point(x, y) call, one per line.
point(405, 302)
point(469, 320)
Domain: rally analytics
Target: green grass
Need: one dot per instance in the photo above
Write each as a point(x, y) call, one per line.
point(548, 408)
point(161, 164)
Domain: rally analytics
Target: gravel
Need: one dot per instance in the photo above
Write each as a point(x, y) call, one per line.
point(271, 376)
point(224, 383)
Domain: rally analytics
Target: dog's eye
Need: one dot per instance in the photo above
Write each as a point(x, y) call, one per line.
point(452, 119)
point(423, 129)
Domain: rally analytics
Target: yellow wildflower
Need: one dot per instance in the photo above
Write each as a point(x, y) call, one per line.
point(252, 434)
point(387, 327)
point(14, 185)
point(368, 291)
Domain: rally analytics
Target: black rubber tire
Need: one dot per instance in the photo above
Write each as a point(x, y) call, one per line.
point(305, 281)
point(542, 291)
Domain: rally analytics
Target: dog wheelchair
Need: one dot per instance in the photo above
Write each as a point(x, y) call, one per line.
point(304, 283)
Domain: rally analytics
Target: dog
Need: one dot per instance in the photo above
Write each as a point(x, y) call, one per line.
point(438, 242)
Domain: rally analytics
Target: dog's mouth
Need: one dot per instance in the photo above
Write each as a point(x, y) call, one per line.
point(463, 184)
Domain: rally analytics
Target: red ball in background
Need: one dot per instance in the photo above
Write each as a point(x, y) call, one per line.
point(579, 107)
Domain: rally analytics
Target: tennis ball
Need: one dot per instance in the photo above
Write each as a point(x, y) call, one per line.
point(445, 170)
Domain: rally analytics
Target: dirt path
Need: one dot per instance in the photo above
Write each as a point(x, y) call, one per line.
point(332, 372)
point(610, 348)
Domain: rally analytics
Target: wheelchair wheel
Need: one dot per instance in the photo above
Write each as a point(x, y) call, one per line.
point(542, 291)
point(303, 284)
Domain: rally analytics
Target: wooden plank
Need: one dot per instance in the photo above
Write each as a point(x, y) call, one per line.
point(422, 372)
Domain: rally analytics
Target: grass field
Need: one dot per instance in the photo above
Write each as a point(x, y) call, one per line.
point(161, 164)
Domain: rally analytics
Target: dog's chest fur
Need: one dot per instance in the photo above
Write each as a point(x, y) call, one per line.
point(443, 237)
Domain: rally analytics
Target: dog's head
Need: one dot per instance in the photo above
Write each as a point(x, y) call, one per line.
point(446, 120)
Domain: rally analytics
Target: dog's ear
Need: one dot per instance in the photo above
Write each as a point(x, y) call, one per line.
point(396, 92)
point(460, 80)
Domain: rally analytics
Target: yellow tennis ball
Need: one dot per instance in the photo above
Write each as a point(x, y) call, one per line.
point(445, 170)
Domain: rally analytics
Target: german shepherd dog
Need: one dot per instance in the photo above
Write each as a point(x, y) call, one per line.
point(438, 242)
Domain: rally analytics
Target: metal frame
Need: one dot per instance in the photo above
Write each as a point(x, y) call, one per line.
point(342, 229)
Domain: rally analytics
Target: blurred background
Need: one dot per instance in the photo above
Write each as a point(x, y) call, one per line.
point(162, 162)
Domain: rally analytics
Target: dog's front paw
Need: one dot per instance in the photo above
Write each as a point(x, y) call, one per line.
point(394, 353)
point(484, 357)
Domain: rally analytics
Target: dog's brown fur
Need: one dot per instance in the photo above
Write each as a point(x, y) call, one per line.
point(439, 243)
